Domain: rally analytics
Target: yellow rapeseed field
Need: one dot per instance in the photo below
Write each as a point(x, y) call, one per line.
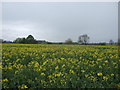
point(59, 66)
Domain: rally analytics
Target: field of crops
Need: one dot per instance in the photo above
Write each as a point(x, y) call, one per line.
point(59, 66)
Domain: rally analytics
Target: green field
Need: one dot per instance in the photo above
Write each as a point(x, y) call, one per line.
point(59, 66)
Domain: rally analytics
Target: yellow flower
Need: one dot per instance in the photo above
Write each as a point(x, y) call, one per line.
point(56, 67)
point(86, 75)
point(44, 63)
point(83, 71)
point(5, 80)
point(58, 74)
point(99, 59)
point(42, 74)
point(49, 76)
point(112, 74)
point(106, 61)
point(99, 74)
point(80, 57)
point(63, 65)
point(50, 80)
point(23, 86)
point(105, 77)
point(100, 66)
point(71, 71)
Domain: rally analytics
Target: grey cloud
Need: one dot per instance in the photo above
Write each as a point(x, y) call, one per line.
point(59, 21)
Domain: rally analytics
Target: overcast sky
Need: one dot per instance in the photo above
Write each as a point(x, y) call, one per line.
point(60, 21)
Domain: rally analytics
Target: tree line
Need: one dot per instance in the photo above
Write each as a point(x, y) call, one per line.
point(82, 39)
point(29, 40)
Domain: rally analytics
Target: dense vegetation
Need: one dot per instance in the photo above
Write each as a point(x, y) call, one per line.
point(60, 66)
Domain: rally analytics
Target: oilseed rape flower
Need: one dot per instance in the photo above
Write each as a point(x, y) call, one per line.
point(86, 75)
point(5, 80)
point(105, 77)
point(112, 74)
point(43, 74)
point(99, 59)
point(71, 71)
point(83, 71)
point(106, 61)
point(59, 66)
point(56, 67)
point(57, 74)
point(50, 76)
point(63, 65)
point(23, 86)
point(99, 74)
point(100, 66)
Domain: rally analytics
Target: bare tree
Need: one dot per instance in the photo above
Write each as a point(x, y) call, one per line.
point(83, 39)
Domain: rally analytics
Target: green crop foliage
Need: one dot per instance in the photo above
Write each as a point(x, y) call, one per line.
point(59, 66)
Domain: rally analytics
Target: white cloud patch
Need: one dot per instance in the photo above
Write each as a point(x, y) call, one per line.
point(16, 29)
point(13, 30)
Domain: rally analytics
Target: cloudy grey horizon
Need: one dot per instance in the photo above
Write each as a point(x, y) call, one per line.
point(59, 21)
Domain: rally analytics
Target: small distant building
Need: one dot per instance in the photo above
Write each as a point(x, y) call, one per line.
point(7, 42)
point(4, 41)
point(41, 42)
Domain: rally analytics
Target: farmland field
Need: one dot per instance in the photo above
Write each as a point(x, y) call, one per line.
point(59, 66)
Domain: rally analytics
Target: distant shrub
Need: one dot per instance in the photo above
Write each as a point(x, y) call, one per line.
point(102, 43)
